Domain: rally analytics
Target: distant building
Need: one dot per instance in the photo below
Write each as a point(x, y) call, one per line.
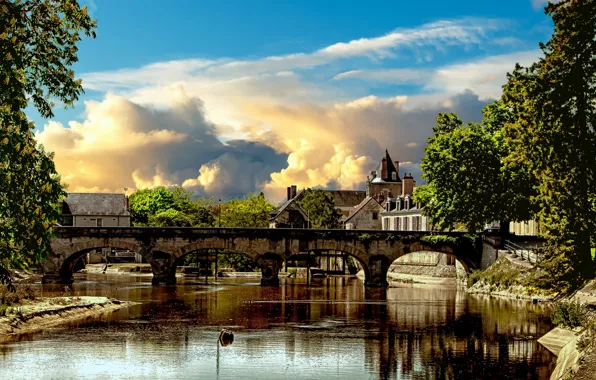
point(366, 216)
point(385, 179)
point(95, 210)
point(403, 214)
point(291, 215)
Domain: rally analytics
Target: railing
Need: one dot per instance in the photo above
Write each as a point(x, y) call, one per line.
point(525, 253)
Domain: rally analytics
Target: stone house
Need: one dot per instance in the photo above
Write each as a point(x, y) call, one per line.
point(95, 210)
point(384, 180)
point(366, 216)
point(99, 210)
point(289, 214)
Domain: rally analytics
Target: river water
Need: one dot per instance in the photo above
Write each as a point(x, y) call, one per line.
point(333, 329)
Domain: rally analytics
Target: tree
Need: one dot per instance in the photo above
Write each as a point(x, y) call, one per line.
point(38, 45)
point(554, 132)
point(320, 208)
point(468, 180)
point(148, 202)
point(252, 211)
point(170, 218)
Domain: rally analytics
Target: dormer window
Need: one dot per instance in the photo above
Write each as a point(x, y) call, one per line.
point(393, 176)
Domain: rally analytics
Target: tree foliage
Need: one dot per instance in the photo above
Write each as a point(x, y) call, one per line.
point(38, 45)
point(174, 207)
point(320, 208)
point(468, 179)
point(251, 211)
point(554, 132)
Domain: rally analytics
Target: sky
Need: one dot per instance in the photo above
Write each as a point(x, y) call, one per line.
point(229, 97)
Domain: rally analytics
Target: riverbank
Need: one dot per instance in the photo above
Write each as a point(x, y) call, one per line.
point(39, 314)
point(506, 279)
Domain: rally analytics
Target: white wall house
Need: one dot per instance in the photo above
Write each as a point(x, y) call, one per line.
point(402, 214)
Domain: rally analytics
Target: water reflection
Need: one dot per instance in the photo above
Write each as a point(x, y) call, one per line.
point(333, 329)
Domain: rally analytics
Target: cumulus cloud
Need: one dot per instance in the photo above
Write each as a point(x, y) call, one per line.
point(223, 127)
point(340, 144)
point(122, 144)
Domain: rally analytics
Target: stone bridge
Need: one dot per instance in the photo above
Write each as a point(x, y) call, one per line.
point(164, 248)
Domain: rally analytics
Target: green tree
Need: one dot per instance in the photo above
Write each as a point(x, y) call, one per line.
point(170, 218)
point(554, 133)
point(149, 202)
point(252, 211)
point(319, 205)
point(468, 180)
point(38, 45)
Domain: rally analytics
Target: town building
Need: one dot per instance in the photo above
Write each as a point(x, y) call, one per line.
point(98, 210)
point(95, 210)
point(291, 215)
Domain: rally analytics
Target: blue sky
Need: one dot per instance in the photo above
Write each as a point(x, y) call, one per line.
point(297, 90)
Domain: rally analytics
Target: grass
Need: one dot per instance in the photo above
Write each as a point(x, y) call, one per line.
point(9, 298)
point(503, 275)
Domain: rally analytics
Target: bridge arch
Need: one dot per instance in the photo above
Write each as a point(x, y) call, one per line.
point(75, 251)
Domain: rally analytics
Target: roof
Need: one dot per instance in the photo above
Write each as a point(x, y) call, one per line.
point(390, 168)
point(97, 204)
point(361, 206)
point(347, 198)
point(287, 203)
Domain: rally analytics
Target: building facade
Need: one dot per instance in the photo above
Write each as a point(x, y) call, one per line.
point(95, 210)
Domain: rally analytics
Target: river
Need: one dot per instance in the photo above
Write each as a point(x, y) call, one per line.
point(333, 329)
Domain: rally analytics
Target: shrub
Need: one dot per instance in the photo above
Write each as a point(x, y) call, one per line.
point(3, 309)
point(569, 314)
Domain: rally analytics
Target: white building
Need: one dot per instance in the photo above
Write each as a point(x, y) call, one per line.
point(403, 214)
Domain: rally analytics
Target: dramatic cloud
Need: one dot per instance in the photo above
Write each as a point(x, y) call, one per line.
point(223, 127)
point(122, 144)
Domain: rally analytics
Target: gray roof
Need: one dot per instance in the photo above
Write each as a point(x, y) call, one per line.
point(97, 204)
point(347, 198)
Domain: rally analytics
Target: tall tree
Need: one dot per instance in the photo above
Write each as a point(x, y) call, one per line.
point(320, 208)
point(468, 180)
point(38, 45)
point(251, 211)
point(555, 103)
point(145, 203)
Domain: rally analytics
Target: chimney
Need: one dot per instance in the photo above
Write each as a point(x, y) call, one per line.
point(407, 186)
point(384, 168)
point(293, 191)
point(126, 202)
point(397, 168)
point(289, 191)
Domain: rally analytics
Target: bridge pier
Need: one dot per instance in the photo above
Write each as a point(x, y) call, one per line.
point(269, 272)
point(163, 273)
point(378, 266)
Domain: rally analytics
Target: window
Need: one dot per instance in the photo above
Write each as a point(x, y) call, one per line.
point(375, 215)
point(405, 228)
point(100, 222)
point(393, 176)
point(385, 223)
point(396, 224)
point(415, 223)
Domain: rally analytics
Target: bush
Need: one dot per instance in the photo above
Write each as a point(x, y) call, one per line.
point(3, 309)
point(570, 314)
point(21, 292)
